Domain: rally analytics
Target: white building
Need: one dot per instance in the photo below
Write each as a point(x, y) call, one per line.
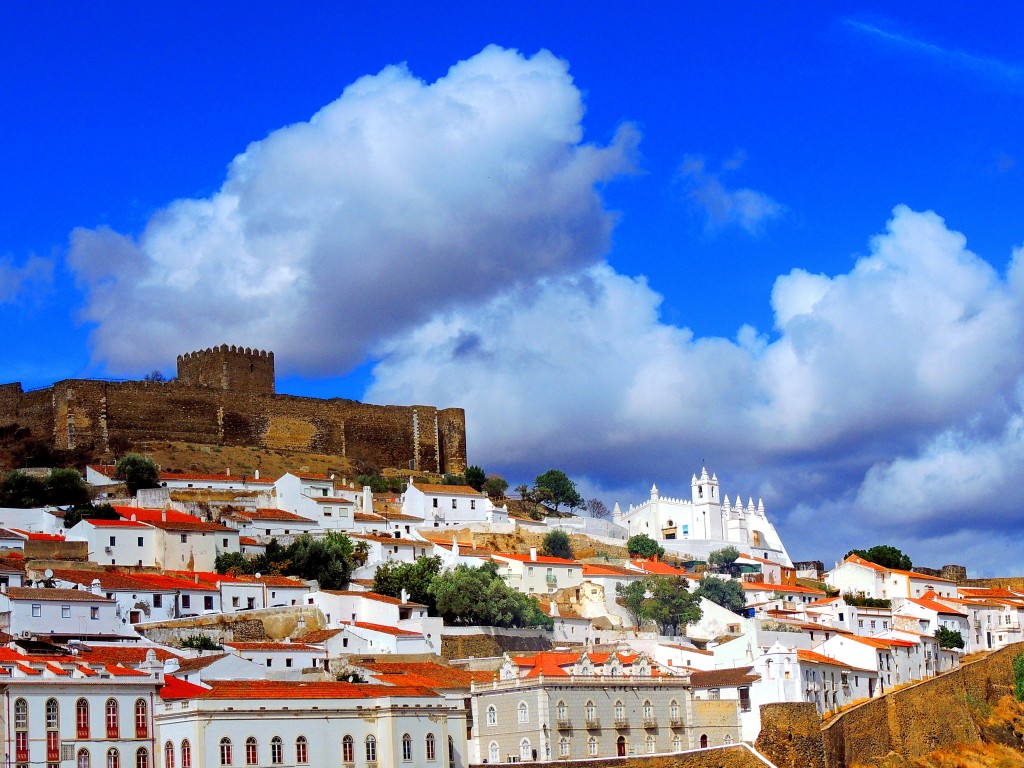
point(704, 522)
point(315, 497)
point(117, 542)
point(535, 573)
point(444, 506)
point(60, 614)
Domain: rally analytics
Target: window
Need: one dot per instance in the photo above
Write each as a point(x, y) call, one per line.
point(142, 758)
point(113, 540)
point(563, 747)
point(141, 725)
point(492, 715)
point(21, 730)
point(435, 504)
point(208, 602)
point(650, 744)
point(184, 538)
point(620, 711)
point(492, 751)
point(406, 747)
point(589, 711)
point(592, 746)
point(525, 753)
point(235, 602)
point(186, 754)
point(37, 610)
point(94, 613)
point(524, 713)
point(451, 752)
point(648, 710)
point(727, 739)
point(186, 602)
point(82, 718)
point(472, 503)
point(455, 503)
point(65, 611)
point(714, 694)
point(52, 715)
point(251, 751)
point(431, 747)
point(348, 751)
point(225, 751)
point(276, 750)
point(113, 758)
point(703, 741)
point(371, 749)
point(301, 752)
point(169, 754)
point(673, 710)
point(140, 541)
point(561, 710)
point(82, 760)
point(677, 743)
point(224, 540)
point(111, 714)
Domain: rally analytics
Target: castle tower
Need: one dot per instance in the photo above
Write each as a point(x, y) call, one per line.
point(238, 369)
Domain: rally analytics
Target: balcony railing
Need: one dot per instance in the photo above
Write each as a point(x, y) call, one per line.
point(622, 722)
point(564, 723)
point(593, 723)
point(551, 580)
point(650, 721)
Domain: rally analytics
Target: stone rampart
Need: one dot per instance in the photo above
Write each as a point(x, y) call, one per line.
point(82, 413)
point(739, 756)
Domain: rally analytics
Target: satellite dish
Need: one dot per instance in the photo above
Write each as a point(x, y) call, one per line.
point(257, 575)
point(48, 573)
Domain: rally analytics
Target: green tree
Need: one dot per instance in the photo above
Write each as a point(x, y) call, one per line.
point(233, 563)
point(22, 490)
point(495, 486)
point(329, 560)
point(452, 479)
point(475, 477)
point(643, 545)
point(557, 544)
point(480, 597)
point(89, 512)
point(723, 559)
point(65, 487)
point(562, 489)
point(949, 638)
point(137, 472)
point(415, 578)
point(199, 643)
point(662, 600)
point(1018, 677)
point(884, 555)
point(728, 594)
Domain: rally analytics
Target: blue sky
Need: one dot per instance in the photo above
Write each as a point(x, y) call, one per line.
point(625, 242)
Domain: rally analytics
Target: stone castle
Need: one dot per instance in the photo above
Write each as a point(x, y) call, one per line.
point(226, 396)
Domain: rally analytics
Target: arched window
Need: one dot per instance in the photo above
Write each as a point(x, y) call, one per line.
point(650, 744)
point(592, 746)
point(225, 751)
point(492, 715)
point(590, 711)
point(169, 754)
point(301, 750)
point(492, 752)
point(111, 715)
point(186, 753)
point(524, 713)
point(563, 747)
point(82, 720)
point(142, 758)
point(113, 758)
point(431, 747)
point(82, 759)
point(525, 753)
point(561, 710)
point(451, 752)
point(348, 749)
point(52, 730)
point(727, 739)
point(673, 711)
point(703, 741)
point(648, 710)
point(620, 711)
point(677, 743)
point(276, 750)
point(252, 751)
point(371, 749)
point(141, 719)
point(406, 746)
point(52, 715)
point(21, 731)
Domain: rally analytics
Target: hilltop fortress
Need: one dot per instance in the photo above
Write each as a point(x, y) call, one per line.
point(226, 396)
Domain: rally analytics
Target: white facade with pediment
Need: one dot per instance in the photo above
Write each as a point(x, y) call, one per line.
point(704, 522)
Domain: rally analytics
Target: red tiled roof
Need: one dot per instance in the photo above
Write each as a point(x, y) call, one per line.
point(69, 595)
point(385, 630)
point(175, 688)
point(657, 567)
point(122, 523)
point(591, 569)
point(283, 690)
point(447, 490)
point(932, 605)
point(216, 478)
point(269, 647)
point(723, 678)
point(545, 559)
point(249, 541)
point(319, 635)
point(425, 674)
point(265, 513)
point(306, 476)
point(761, 586)
point(32, 536)
point(858, 560)
point(118, 671)
point(370, 596)
point(109, 580)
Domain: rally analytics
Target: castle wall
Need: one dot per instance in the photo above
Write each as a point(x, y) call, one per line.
point(82, 412)
point(239, 369)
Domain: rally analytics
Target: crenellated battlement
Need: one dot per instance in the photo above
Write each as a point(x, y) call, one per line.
point(240, 369)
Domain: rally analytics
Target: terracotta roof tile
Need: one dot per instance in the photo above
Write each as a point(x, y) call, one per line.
point(723, 678)
point(283, 690)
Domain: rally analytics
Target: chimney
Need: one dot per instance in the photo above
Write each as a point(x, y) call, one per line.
point(196, 577)
point(405, 596)
point(533, 554)
point(163, 516)
point(134, 518)
point(96, 588)
point(256, 474)
point(227, 471)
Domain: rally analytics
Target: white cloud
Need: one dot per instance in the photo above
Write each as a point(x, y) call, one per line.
point(721, 206)
point(887, 400)
point(15, 279)
point(395, 201)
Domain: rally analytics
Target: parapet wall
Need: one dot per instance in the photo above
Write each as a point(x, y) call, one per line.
point(236, 368)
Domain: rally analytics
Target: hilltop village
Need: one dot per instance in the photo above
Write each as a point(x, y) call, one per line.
point(225, 619)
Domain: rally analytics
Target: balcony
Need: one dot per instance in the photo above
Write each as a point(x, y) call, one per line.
point(650, 721)
point(552, 580)
point(593, 723)
point(622, 722)
point(676, 721)
point(564, 723)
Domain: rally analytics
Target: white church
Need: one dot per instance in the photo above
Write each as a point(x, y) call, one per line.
point(704, 522)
